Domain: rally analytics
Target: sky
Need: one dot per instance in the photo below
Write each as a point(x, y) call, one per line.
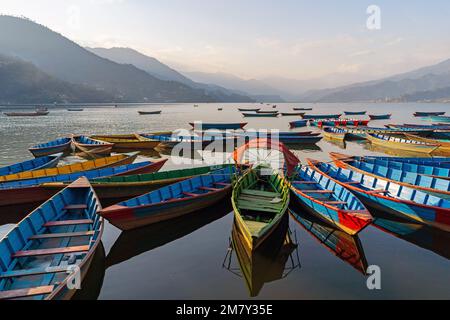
point(291, 39)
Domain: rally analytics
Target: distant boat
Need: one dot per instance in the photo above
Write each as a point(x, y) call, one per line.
point(426, 114)
point(302, 109)
point(249, 109)
point(266, 111)
point(142, 113)
point(248, 114)
point(338, 122)
point(322, 116)
point(298, 124)
point(75, 109)
point(219, 109)
point(439, 118)
point(292, 114)
point(380, 116)
point(27, 114)
point(355, 113)
point(221, 126)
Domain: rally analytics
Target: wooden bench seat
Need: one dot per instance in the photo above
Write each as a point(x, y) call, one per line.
point(62, 235)
point(209, 189)
point(335, 202)
point(27, 292)
point(75, 207)
point(67, 222)
point(189, 194)
point(316, 191)
point(32, 272)
point(266, 194)
point(46, 252)
point(222, 184)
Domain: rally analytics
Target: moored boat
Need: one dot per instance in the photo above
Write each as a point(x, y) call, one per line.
point(329, 201)
point(91, 146)
point(338, 122)
point(171, 201)
point(249, 109)
point(62, 145)
point(380, 116)
point(439, 118)
point(75, 109)
point(149, 112)
point(360, 132)
point(426, 114)
point(298, 123)
point(36, 113)
point(444, 145)
point(390, 197)
point(322, 116)
point(69, 223)
point(220, 126)
point(292, 114)
point(355, 113)
point(334, 133)
point(260, 115)
point(267, 111)
point(302, 109)
point(31, 165)
point(137, 143)
point(401, 144)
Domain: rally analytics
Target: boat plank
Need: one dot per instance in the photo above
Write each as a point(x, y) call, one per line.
point(67, 222)
point(52, 251)
point(62, 235)
point(27, 292)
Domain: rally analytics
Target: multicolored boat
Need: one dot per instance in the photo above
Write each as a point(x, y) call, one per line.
point(62, 145)
point(406, 176)
point(334, 133)
point(298, 123)
point(329, 201)
point(31, 165)
point(400, 143)
point(444, 145)
point(389, 196)
point(96, 164)
point(172, 201)
point(91, 146)
point(51, 245)
point(220, 126)
point(380, 116)
point(338, 122)
point(322, 116)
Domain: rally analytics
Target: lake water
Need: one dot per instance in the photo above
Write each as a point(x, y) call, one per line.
point(184, 259)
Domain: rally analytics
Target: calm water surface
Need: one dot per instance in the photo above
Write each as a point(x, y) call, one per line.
point(183, 259)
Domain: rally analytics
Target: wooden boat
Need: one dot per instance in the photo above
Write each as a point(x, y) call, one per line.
point(138, 143)
point(269, 112)
point(360, 132)
point(51, 245)
point(329, 201)
point(298, 139)
point(270, 133)
point(260, 199)
point(149, 112)
point(31, 165)
point(249, 109)
point(434, 162)
point(322, 116)
point(338, 122)
point(435, 126)
point(220, 126)
point(92, 146)
point(389, 196)
point(130, 136)
point(439, 118)
point(292, 114)
point(298, 123)
point(126, 187)
point(129, 169)
point(380, 116)
point(344, 246)
point(191, 142)
point(75, 109)
point(219, 109)
point(427, 114)
point(302, 109)
point(171, 201)
point(355, 113)
point(27, 114)
point(101, 163)
point(401, 144)
point(62, 145)
point(259, 115)
point(334, 133)
point(389, 172)
point(444, 145)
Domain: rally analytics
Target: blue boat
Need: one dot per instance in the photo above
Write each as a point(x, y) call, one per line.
point(330, 201)
point(299, 139)
point(435, 162)
point(31, 165)
point(389, 196)
point(171, 201)
point(62, 145)
point(439, 118)
point(412, 179)
point(220, 126)
point(298, 123)
point(322, 116)
point(355, 113)
point(380, 116)
point(53, 244)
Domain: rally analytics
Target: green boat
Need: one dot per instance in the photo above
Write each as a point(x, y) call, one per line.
point(260, 199)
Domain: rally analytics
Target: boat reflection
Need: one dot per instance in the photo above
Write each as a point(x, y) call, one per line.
point(304, 147)
point(135, 242)
point(420, 235)
point(340, 144)
point(346, 247)
point(395, 152)
point(273, 261)
point(93, 280)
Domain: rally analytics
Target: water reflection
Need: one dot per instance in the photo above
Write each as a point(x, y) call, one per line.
point(347, 248)
point(273, 261)
point(340, 144)
point(135, 242)
point(420, 235)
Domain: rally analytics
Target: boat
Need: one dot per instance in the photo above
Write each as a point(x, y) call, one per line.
point(131, 136)
point(191, 141)
point(36, 113)
point(302, 109)
point(355, 113)
point(126, 187)
point(30, 268)
point(334, 133)
point(100, 163)
point(171, 201)
point(403, 174)
point(434, 162)
point(444, 119)
point(137, 143)
point(249, 109)
point(360, 132)
point(435, 126)
point(338, 122)
point(149, 112)
point(220, 126)
point(75, 109)
point(91, 146)
point(380, 116)
point(329, 201)
point(292, 114)
point(444, 145)
point(298, 123)
point(344, 246)
point(427, 114)
point(264, 111)
point(401, 144)
point(298, 139)
point(389, 196)
point(322, 116)
point(62, 145)
point(270, 115)
point(219, 109)
point(31, 165)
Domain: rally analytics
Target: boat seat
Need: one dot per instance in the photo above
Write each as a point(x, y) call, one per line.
point(262, 206)
point(335, 202)
point(75, 207)
point(32, 272)
point(352, 182)
point(316, 191)
point(209, 189)
point(255, 227)
point(46, 252)
point(265, 194)
point(222, 184)
point(304, 182)
point(67, 222)
point(27, 292)
point(189, 194)
point(62, 235)
point(378, 191)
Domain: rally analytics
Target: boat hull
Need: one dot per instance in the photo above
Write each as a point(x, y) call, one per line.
point(50, 150)
point(425, 148)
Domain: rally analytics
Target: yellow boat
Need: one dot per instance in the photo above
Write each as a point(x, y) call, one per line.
point(101, 163)
point(401, 144)
point(444, 146)
point(130, 142)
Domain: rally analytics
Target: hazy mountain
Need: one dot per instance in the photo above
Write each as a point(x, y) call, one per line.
point(442, 94)
point(164, 72)
point(22, 82)
point(64, 59)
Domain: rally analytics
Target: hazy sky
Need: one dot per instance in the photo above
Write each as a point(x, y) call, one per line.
point(257, 38)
